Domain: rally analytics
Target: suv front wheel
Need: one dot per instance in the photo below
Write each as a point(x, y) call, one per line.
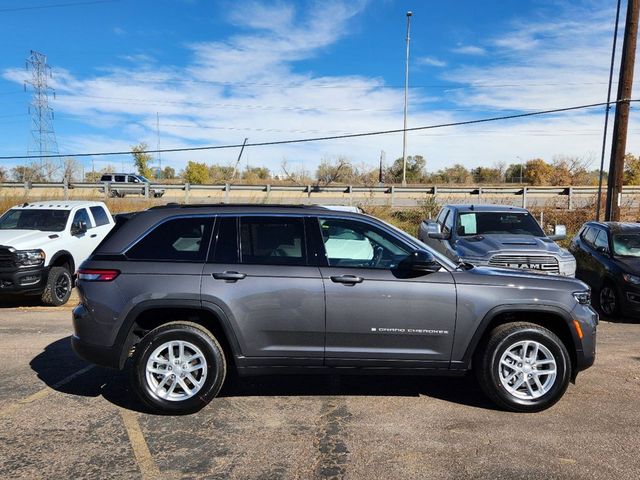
point(178, 368)
point(523, 367)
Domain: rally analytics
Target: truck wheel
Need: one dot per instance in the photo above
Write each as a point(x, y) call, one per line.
point(178, 368)
point(523, 367)
point(58, 287)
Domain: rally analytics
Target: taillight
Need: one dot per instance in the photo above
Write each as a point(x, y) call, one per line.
point(97, 275)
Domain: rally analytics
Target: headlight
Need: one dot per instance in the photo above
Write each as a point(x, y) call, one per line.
point(631, 278)
point(567, 265)
point(29, 258)
point(583, 298)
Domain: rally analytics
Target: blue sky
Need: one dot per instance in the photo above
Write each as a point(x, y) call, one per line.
point(217, 72)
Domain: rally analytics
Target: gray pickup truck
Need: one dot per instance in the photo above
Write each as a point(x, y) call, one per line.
point(497, 236)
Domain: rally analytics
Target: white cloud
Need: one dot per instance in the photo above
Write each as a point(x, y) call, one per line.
point(431, 62)
point(469, 50)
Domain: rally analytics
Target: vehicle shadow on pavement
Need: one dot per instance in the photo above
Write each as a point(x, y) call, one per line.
point(21, 301)
point(58, 362)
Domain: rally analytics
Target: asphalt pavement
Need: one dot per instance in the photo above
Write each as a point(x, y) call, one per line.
point(62, 418)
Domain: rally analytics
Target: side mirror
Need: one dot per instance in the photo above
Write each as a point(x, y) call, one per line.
point(559, 233)
point(79, 228)
point(433, 231)
point(603, 250)
point(419, 261)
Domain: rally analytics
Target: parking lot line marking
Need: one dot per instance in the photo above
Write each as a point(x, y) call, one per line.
point(40, 394)
point(147, 466)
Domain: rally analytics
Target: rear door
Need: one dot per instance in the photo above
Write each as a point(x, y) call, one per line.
point(260, 275)
point(375, 316)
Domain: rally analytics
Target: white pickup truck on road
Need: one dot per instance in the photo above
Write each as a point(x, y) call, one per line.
point(43, 243)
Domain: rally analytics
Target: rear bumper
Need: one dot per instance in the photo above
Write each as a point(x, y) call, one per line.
point(30, 280)
point(103, 355)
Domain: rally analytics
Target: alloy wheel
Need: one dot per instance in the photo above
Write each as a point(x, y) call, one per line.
point(62, 286)
point(608, 300)
point(176, 370)
point(527, 370)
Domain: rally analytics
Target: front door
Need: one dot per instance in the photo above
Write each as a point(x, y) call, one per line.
point(375, 315)
point(259, 275)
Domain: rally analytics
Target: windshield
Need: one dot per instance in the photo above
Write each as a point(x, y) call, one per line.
point(486, 223)
point(627, 245)
point(43, 220)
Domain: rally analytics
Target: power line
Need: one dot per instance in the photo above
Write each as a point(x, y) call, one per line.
point(55, 5)
point(332, 137)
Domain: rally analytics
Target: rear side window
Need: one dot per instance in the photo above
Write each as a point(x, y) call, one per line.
point(99, 215)
point(119, 178)
point(180, 239)
point(272, 241)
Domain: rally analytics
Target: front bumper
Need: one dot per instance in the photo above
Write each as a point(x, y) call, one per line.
point(587, 318)
point(28, 280)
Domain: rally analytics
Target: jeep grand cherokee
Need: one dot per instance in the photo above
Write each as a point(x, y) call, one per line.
point(186, 292)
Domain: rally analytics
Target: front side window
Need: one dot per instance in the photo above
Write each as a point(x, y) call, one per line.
point(626, 245)
point(119, 178)
point(602, 241)
point(590, 236)
point(272, 241)
point(82, 216)
point(43, 220)
point(350, 243)
point(180, 239)
point(487, 223)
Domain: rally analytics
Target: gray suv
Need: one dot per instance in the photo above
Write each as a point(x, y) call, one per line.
point(187, 292)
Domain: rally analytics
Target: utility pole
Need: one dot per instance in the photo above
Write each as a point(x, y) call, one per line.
point(619, 140)
point(159, 173)
point(43, 137)
point(406, 91)
point(381, 171)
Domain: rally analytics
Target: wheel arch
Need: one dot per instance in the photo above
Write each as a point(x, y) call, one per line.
point(62, 258)
point(154, 313)
point(553, 318)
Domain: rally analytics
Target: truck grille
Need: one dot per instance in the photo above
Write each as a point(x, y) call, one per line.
point(546, 264)
point(7, 259)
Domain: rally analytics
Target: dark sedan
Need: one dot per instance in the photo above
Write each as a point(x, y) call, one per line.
point(608, 260)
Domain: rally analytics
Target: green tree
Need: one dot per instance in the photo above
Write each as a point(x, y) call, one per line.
point(168, 173)
point(514, 173)
point(415, 169)
point(631, 169)
point(142, 160)
point(486, 175)
point(196, 173)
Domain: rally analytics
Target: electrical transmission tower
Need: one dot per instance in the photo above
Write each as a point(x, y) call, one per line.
point(43, 137)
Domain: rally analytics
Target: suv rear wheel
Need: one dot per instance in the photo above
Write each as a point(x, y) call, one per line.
point(523, 367)
point(178, 368)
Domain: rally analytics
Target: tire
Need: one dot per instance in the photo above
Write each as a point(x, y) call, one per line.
point(609, 300)
point(58, 287)
point(499, 380)
point(165, 392)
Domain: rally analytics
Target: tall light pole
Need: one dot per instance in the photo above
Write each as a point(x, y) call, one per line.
point(406, 91)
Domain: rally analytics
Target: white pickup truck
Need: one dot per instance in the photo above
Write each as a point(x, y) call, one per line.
point(43, 243)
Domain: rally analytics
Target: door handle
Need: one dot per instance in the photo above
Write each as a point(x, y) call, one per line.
point(347, 279)
point(228, 276)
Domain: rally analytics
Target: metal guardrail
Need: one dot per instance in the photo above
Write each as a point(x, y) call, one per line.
point(391, 192)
